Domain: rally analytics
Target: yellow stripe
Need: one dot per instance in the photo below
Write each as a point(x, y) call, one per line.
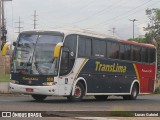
point(83, 63)
point(137, 74)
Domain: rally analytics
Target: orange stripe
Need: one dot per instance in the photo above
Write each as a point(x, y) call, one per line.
point(137, 74)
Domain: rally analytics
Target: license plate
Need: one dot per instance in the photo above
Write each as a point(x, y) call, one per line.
point(29, 89)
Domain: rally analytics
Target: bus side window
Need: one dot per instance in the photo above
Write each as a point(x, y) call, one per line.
point(84, 47)
point(144, 55)
point(98, 48)
point(127, 52)
point(136, 53)
point(152, 55)
point(122, 51)
point(113, 50)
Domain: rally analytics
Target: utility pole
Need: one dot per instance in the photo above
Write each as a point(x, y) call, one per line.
point(3, 31)
point(19, 25)
point(35, 20)
point(133, 26)
point(113, 30)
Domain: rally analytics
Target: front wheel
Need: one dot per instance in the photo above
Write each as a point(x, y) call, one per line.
point(134, 93)
point(79, 93)
point(39, 97)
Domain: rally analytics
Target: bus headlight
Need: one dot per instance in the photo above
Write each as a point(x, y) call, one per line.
point(48, 83)
point(14, 81)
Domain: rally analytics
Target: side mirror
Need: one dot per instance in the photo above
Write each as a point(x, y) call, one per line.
point(5, 48)
point(57, 50)
point(14, 43)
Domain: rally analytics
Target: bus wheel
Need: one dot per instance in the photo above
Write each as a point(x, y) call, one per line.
point(134, 93)
point(39, 97)
point(79, 92)
point(101, 97)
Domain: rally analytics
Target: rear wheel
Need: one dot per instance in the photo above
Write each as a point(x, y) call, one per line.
point(101, 97)
point(134, 93)
point(39, 97)
point(79, 93)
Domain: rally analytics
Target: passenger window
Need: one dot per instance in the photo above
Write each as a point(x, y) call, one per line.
point(84, 47)
point(122, 51)
point(144, 55)
point(136, 56)
point(113, 50)
point(99, 48)
point(152, 55)
point(127, 55)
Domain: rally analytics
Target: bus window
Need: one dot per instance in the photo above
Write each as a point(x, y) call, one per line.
point(152, 54)
point(99, 48)
point(127, 55)
point(113, 50)
point(68, 54)
point(144, 55)
point(84, 47)
point(122, 51)
point(136, 56)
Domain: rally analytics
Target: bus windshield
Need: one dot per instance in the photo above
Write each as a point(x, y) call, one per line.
point(34, 54)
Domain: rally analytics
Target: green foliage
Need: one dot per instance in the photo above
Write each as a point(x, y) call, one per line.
point(122, 114)
point(139, 40)
point(153, 28)
point(153, 31)
point(4, 78)
point(157, 90)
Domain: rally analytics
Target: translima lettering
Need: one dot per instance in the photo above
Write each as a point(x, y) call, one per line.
point(110, 67)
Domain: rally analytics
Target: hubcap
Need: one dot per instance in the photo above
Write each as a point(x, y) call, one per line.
point(77, 92)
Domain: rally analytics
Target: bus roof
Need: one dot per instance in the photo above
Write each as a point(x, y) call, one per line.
point(91, 34)
point(136, 43)
point(75, 31)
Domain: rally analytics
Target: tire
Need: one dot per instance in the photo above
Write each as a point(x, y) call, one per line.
point(79, 93)
point(101, 97)
point(39, 97)
point(134, 93)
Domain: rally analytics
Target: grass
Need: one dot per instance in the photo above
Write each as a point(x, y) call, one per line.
point(4, 77)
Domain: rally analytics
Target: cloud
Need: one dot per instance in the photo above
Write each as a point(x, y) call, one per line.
point(141, 28)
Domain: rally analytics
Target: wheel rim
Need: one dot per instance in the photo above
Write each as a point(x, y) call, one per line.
point(77, 92)
point(134, 93)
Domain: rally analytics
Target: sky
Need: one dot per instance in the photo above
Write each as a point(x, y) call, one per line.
point(96, 15)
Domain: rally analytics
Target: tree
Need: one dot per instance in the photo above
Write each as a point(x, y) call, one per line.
point(153, 28)
point(139, 40)
point(153, 31)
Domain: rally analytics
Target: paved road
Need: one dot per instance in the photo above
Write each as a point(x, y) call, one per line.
point(26, 103)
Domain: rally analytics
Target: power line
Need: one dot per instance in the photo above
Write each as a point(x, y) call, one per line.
point(110, 7)
point(123, 14)
point(19, 25)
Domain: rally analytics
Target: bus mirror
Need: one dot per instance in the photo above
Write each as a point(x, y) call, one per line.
point(4, 49)
point(14, 43)
point(57, 50)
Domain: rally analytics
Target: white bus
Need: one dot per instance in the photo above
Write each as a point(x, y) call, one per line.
point(74, 64)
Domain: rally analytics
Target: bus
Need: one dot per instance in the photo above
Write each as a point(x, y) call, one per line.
point(78, 63)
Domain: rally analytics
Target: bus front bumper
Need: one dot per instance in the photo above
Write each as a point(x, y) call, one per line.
point(25, 89)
